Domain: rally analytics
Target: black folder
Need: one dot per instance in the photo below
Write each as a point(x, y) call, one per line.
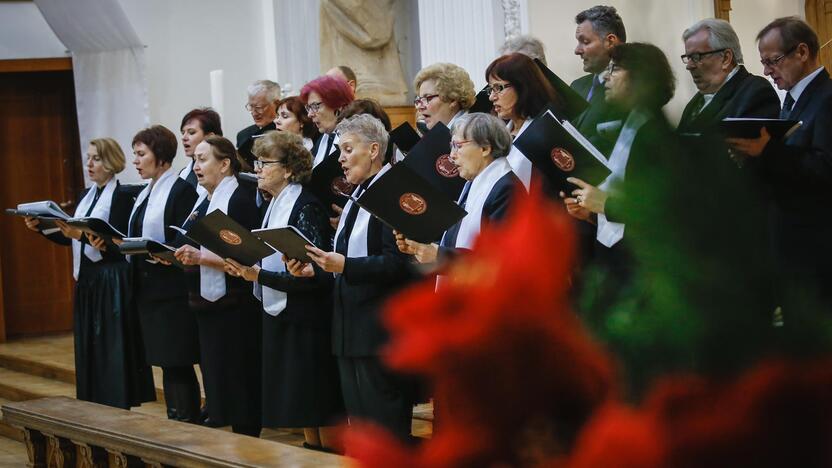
point(288, 240)
point(404, 137)
point(411, 205)
point(573, 103)
point(431, 159)
point(97, 227)
point(225, 237)
point(734, 127)
point(559, 154)
point(144, 246)
point(328, 182)
point(482, 102)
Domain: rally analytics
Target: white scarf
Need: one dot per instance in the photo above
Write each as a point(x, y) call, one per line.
point(520, 164)
point(321, 154)
point(186, 171)
point(277, 216)
point(212, 280)
point(481, 187)
point(156, 194)
point(357, 246)
point(609, 233)
point(100, 211)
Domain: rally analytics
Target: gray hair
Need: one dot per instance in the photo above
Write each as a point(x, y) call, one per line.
point(604, 20)
point(484, 130)
point(369, 128)
point(526, 45)
point(270, 88)
point(721, 35)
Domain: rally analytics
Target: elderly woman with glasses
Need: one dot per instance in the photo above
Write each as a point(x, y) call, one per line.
point(325, 97)
point(519, 92)
point(226, 312)
point(300, 375)
point(639, 79)
point(479, 145)
point(444, 92)
point(368, 269)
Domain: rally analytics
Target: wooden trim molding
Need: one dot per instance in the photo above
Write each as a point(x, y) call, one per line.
point(722, 9)
point(36, 65)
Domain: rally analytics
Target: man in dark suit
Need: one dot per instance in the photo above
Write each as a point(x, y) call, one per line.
point(600, 28)
point(726, 89)
point(798, 169)
point(263, 96)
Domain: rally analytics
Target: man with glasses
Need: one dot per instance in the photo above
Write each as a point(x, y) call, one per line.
point(599, 30)
point(798, 168)
point(262, 104)
point(714, 59)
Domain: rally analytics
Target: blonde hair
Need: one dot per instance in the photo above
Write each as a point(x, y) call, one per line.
point(112, 158)
point(453, 84)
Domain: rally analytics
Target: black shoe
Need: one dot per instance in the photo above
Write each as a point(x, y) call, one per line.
point(172, 413)
point(208, 422)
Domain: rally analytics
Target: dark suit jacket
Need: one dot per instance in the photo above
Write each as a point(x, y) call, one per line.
point(360, 292)
point(245, 142)
point(308, 300)
point(599, 111)
point(744, 95)
point(157, 281)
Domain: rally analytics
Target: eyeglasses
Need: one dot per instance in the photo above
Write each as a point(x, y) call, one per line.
point(697, 57)
point(496, 88)
point(424, 100)
point(612, 67)
point(260, 164)
point(773, 62)
point(257, 109)
point(313, 107)
point(457, 145)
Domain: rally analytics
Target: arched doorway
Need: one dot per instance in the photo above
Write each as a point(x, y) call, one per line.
point(819, 16)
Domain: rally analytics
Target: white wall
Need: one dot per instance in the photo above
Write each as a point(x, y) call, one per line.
point(660, 22)
point(25, 34)
point(185, 40)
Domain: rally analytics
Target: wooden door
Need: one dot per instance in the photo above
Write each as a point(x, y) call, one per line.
point(40, 160)
point(819, 16)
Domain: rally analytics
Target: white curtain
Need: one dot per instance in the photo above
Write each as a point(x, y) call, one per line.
point(108, 68)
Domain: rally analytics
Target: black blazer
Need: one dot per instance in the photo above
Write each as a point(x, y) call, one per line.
point(360, 292)
point(154, 280)
point(744, 95)
point(599, 111)
point(495, 207)
point(308, 300)
point(245, 142)
point(121, 205)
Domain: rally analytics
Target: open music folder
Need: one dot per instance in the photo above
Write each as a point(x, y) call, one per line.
point(431, 159)
point(573, 103)
point(559, 151)
point(328, 183)
point(97, 227)
point(404, 137)
point(288, 240)
point(145, 246)
point(225, 237)
point(46, 211)
point(736, 127)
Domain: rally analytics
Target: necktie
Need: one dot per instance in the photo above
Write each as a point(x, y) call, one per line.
point(349, 222)
point(596, 83)
point(788, 103)
point(449, 239)
point(700, 103)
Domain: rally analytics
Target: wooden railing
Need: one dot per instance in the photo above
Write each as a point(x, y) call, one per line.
point(64, 432)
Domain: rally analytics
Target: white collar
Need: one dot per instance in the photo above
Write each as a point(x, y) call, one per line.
point(456, 116)
point(797, 90)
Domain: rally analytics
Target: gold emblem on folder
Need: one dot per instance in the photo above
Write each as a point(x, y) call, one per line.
point(445, 167)
point(563, 159)
point(412, 204)
point(230, 237)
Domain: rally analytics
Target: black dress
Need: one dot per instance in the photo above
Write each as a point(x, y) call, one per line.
point(301, 387)
point(229, 331)
point(161, 296)
point(110, 368)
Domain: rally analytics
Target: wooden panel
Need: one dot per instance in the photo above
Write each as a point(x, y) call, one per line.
point(36, 65)
point(399, 115)
point(722, 9)
point(40, 160)
point(819, 16)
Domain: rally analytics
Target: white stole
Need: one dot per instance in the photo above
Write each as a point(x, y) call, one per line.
point(321, 153)
point(357, 246)
point(481, 187)
point(520, 164)
point(277, 216)
point(186, 171)
point(156, 195)
point(100, 211)
point(212, 280)
point(610, 233)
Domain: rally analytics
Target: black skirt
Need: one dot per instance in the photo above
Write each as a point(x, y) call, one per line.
point(110, 366)
point(229, 341)
point(169, 330)
point(301, 387)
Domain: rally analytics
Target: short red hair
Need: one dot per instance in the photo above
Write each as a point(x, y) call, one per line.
point(334, 92)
